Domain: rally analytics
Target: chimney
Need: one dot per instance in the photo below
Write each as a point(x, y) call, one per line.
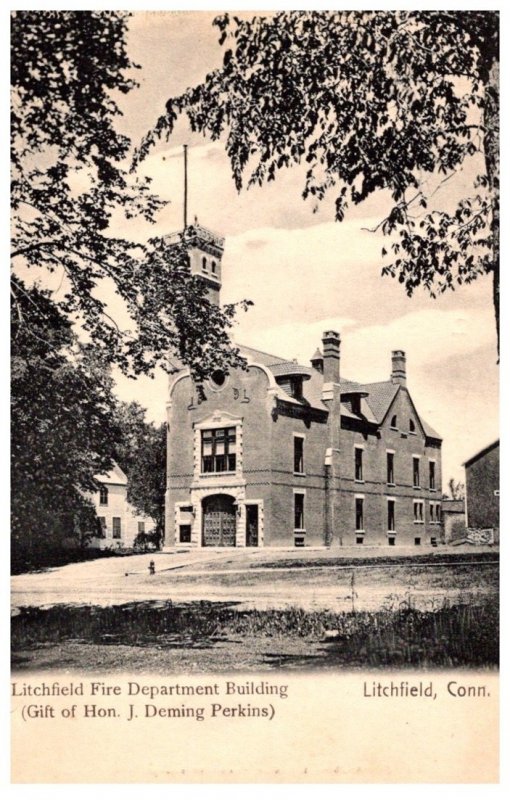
point(398, 367)
point(317, 361)
point(331, 349)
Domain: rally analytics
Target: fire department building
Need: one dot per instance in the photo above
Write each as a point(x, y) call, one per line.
point(284, 454)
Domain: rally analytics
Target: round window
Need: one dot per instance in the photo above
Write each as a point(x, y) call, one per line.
point(218, 377)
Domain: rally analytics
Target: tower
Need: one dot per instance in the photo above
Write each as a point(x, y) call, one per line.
point(204, 248)
point(205, 251)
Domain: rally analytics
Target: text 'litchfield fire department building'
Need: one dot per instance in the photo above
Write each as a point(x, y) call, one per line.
point(286, 454)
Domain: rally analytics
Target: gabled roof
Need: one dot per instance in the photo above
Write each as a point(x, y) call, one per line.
point(481, 453)
point(115, 476)
point(373, 408)
point(380, 397)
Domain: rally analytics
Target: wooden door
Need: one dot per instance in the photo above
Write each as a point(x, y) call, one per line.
point(219, 521)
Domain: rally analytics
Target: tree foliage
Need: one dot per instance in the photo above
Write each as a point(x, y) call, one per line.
point(69, 180)
point(63, 426)
point(141, 452)
point(370, 100)
point(456, 489)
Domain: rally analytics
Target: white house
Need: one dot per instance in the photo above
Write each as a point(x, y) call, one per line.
point(117, 519)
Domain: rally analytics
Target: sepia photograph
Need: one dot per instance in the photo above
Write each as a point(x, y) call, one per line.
point(254, 394)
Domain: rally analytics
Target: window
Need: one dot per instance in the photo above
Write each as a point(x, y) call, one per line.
point(390, 468)
point(299, 464)
point(391, 541)
point(417, 540)
point(393, 423)
point(141, 526)
point(299, 512)
point(418, 511)
point(412, 426)
point(101, 527)
point(103, 496)
point(204, 264)
point(416, 472)
point(359, 539)
point(218, 377)
point(356, 404)
point(391, 515)
point(359, 513)
point(432, 476)
point(116, 530)
point(433, 541)
point(219, 450)
point(185, 534)
point(296, 387)
point(213, 267)
point(358, 463)
point(435, 513)
point(299, 541)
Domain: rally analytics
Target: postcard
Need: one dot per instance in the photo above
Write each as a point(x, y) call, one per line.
point(255, 436)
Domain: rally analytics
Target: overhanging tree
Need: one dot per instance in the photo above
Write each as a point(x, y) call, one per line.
point(69, 181)
point(370, 100)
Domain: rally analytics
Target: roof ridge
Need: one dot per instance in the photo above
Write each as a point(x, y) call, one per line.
point(264, 352)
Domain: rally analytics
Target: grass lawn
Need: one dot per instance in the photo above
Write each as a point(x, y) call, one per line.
point(275, 611)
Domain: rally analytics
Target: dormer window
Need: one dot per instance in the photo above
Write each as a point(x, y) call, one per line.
point(412, 426)
point(296, 387)
point(356, 405)
point(393, 423)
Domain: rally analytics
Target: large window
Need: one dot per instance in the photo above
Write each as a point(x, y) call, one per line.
point(432, 475)
point(359, 514)
point(219, 450)
point(103, 496)
point(299, 512)
point(358, 463)
point(391, 515)
point(299, 452)
point(416, 472)
point(390, 468)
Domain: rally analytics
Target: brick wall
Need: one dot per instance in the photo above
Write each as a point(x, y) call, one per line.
point(482, 480)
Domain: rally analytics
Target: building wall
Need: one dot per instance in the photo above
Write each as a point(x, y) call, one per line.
point(265, 467)
point(243, 402)
point(286, 483)
point(482, 481)
point(118, 506)
point(374, 487)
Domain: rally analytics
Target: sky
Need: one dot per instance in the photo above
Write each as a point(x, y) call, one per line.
point(304, 272)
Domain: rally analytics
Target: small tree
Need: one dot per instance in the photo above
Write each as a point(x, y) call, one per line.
point(456, 489)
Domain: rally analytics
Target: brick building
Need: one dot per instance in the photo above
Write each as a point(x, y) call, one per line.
point(286, 454)
point(482, 489)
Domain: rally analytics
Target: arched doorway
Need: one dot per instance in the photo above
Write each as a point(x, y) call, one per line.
point(219, 521)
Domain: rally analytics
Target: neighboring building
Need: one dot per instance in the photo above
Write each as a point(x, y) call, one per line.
point(482, 490)
point(286, 454)
point(118, 522)
point(454, 519)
